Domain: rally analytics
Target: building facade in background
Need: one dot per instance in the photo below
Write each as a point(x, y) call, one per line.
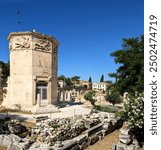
point(102, 86)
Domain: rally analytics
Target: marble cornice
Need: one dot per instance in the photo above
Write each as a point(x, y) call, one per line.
point(35, 34)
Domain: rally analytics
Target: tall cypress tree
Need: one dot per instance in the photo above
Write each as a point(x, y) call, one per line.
point(102, 78)
point(90, 80)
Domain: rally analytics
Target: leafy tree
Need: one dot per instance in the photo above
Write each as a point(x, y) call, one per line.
point(5, 69)
point(108, 81)
point(114, 98)
point(130, 78)
point(62, 77)
point(102, 78)
point(130, 73)
point(66, 79)
point(75, 78)
point(90, 80)
point(68, 82)
point(90, 97)
point(4, 73)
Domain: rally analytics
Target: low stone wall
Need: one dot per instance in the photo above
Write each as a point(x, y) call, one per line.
point(65, 133)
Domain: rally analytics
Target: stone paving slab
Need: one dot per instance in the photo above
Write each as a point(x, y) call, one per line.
point(64, 112)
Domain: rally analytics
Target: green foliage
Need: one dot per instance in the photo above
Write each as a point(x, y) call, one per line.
point(114, 98)
point(130, 74)
point(90, 97)
point(90, 80)
point(62, 77)
point(134, 111)
point(110, 109)
point(121, 114)
point(66, 79)
point(5, 71)
point(102, 78)
point(113, 75)
point(1, 95)
point(134, 108)
point(75, 78)
point(68, 82)
point(108, 81)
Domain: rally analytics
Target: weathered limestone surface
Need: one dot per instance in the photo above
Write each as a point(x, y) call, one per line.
point(13, 146)
point(33, 59)
point(126, 141)
point(59, 133)
point(5, 140)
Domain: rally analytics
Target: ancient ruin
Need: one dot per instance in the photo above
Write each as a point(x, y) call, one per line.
point(59, 133)
point(32, 84)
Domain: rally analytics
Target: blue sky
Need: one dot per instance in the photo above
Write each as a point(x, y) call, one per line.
point(88, 30)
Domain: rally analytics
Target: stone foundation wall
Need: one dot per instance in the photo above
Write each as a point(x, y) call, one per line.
point(63, 134)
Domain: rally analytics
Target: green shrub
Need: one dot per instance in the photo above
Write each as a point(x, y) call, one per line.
point(110, 109)
point(114, 98)
point(90, 97)
point(134, 109)
point(121, 114)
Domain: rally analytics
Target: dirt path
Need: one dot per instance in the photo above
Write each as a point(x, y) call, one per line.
point(106, 143)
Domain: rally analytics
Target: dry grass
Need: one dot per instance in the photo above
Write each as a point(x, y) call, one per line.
point(106, 143)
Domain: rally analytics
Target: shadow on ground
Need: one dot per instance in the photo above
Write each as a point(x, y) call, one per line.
point(65, 104)
point(5, 116)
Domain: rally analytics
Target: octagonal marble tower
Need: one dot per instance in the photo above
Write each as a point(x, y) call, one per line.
point(33, 71)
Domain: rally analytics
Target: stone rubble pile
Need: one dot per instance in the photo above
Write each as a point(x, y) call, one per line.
point(64, 133)
point(127, 142)
point(52, 130)
point(13, 126)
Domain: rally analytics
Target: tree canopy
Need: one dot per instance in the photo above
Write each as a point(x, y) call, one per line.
point(66, 79)
point(130, 74)
point(90, 97)
point(75, 78)
point(62, 77)
point(114, 98)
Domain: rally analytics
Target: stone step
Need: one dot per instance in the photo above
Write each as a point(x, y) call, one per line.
point(94, 129)
point(46, 109)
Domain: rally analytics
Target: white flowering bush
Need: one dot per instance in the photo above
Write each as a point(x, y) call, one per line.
point(134, 112)
point(134, 108)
